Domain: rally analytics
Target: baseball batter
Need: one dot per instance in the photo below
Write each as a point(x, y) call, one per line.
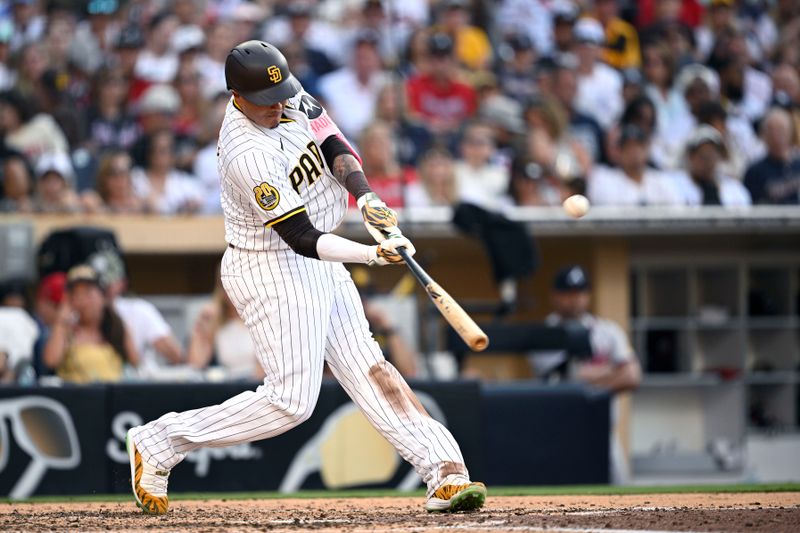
point(286, 171)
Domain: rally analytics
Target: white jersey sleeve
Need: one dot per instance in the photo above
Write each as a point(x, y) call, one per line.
point(264, 181)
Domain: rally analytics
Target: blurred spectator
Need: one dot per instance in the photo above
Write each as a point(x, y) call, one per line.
point(246, 18)
point(480, 180)
point(742, 147)
point(622, 42)
point(29, 23)
point(27, 131)
point(296, 24)
point(439, 98)
point(532, 185)
point(205, 163)
point(95, 36)
point(387, 177)
point(410, 138)
point(506, 118)
point(156, 111)
point(743, 89)
point(150, 334)
point(786, 94)
point(673, 120)
point(549, 144)
point(582, 127)
point(114, 192)
point(703, 183)
point(108, 123)
point(49, 295)
point(394, 347)
point(720, 16)
point(472, 46)
point(633, 85)
point(188, 121)
point(211, 64)
point(8, 77)
point(517, 72)
point(393, 31)
point(16, 193)
point(613, 364)
point(565, 15)
point(55, 191)
point(360, 81)
point(599, 86)
point(532, 17)
point(159, 185)
point(14, 293)
point(18, 333)
point(436, 186)
point(633, 183)
point(220, 337)
point(641, 113)
point(88, 341)
point(127, 47)
point(157, 62)
point(776, 178)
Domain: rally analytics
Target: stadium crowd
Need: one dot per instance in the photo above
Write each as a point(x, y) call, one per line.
point(111, 106)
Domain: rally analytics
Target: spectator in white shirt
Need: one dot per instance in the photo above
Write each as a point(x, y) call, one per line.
point(674, 122)
point(633, 183)
point(480, 180)
point(150, 333)
point(158, 63)
point(211, 64)
point(599, 86)
point(351, 92)
point(164, 189)
point(436, 186)
point(702, 183)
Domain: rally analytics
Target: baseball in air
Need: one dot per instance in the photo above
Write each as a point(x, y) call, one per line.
point(576, 205)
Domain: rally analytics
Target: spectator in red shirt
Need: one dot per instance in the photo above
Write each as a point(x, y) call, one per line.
point(439, 98)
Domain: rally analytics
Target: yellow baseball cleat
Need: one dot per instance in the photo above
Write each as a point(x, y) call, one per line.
point(454, 498)
point(148, 482)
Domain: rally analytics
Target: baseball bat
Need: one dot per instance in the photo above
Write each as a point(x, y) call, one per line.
point(455, 315)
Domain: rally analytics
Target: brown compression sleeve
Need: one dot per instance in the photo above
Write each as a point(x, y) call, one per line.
point(301, 236)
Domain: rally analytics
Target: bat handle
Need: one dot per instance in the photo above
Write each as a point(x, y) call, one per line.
point(417, 270)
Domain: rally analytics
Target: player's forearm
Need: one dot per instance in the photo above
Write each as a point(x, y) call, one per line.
point(349, 173)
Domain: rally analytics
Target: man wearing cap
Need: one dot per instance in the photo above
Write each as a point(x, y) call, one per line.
point(702, 183)
point(613, 365)
point(599, 86)
point(437, 98)
point(517, 74)
point(55, 178)
point(633, 183)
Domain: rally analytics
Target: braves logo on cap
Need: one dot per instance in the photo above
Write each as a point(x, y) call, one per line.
point(275, 74)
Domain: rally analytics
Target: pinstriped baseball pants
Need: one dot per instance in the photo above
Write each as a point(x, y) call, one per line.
point(301, 313)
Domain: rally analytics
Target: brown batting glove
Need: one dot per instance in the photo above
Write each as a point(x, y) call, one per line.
point(379, 220)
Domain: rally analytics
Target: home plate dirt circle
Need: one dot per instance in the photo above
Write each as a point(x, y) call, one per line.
point(744, 512)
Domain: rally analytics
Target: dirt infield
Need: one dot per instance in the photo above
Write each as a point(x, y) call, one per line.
point(743, 512)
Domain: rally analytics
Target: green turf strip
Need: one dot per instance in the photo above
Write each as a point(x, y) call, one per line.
point(574, 490)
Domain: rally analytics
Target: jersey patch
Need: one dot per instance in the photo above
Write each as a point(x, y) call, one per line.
point(310, 106)
point(267, 196)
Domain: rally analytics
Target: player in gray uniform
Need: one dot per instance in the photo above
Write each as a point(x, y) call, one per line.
point(286, 171)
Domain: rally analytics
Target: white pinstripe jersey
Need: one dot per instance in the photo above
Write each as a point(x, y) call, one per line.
point(268, 175)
